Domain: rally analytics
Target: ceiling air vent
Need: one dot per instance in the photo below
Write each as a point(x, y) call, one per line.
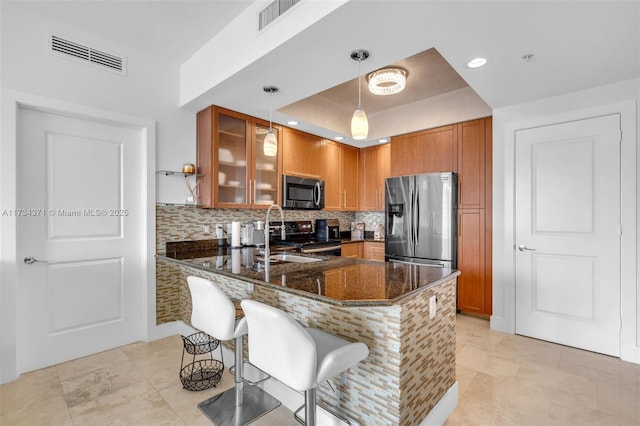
point(274, 10)
point(86, 54)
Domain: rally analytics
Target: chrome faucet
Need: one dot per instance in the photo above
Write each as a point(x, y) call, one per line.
point(267, 230)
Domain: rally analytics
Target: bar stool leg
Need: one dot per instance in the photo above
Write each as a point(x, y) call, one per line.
point(310, 407)
point(242, 404)
point(239, 370)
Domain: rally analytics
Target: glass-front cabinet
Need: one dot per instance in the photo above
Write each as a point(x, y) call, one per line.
point(233, 159)
point(266, 179)
point(235, 172)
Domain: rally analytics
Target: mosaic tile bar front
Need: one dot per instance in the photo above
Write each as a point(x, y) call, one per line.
point(411, 362)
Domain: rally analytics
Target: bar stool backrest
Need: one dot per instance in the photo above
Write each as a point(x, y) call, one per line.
point(280, 346)
point(212, 310)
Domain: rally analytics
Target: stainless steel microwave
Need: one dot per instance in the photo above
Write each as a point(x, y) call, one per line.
point(302, 193)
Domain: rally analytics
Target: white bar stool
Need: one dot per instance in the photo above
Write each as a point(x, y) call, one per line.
point(299, 357)
point(214, 313)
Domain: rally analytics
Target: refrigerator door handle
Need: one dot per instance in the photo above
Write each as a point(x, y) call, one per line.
point(417, 218)
point(412, 236)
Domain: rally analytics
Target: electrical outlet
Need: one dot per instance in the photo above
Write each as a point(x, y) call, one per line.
point(206, 229)
point(432, 307)
point(250, 287)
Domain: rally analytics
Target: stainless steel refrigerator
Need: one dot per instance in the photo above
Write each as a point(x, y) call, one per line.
point(421, 213)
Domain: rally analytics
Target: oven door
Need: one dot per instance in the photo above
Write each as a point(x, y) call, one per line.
point(325, 250)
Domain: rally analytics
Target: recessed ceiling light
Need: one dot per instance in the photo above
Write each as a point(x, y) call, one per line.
point(292, 123)
point(339, 138)
point(383, 140)
point(477, 62)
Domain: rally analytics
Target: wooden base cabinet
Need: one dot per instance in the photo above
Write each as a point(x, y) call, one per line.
point(471, 261)
point(374, 251)
point(354, 250)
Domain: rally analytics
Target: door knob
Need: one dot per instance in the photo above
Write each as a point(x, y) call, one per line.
point(522, 247)
point(31, 260)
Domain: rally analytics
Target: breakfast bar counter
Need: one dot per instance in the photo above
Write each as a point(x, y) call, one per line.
point(404, 313)
point(330, 279)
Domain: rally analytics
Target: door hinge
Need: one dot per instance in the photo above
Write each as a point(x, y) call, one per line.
point(619, 230)
point(620, 137)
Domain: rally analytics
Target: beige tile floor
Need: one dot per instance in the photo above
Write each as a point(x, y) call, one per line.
point(504, 380)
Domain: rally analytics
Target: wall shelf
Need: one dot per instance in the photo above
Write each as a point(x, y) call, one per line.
point(171, 173)
point(178, 205)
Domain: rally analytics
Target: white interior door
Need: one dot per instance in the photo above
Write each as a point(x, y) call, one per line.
point(568, 233)
point(81, 190)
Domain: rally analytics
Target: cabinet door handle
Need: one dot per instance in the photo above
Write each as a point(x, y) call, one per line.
point(344, 198)
point(254, 191)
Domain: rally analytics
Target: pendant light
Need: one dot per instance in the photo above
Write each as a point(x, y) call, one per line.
point(270, 143)
point(359, 122)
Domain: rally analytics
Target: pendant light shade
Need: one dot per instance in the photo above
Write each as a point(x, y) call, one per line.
point(359, 125)
point(359, 122)
point(270, 142)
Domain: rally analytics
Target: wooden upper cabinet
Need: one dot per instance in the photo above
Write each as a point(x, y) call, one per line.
point(205, 157)
point(307, 155)
point(375, 167)
point(341, 177)
point(330, 159)
point(471, 164)
point(349, 177)
point(428, 151)
point(301, 154)
point(235, 172)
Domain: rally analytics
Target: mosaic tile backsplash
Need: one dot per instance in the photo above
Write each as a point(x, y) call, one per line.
point(179, 223)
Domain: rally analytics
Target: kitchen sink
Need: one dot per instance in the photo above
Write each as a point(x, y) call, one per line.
point(293, 258)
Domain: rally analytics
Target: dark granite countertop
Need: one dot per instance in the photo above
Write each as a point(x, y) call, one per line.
point(337, 280)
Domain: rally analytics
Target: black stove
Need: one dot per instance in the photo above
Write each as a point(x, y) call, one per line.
point(299, 234)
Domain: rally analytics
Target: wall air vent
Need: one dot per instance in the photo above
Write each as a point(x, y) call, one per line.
point(86, 54)
point(274, 10)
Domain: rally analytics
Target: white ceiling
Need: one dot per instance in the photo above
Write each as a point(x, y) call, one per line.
point(172, 29)
point(576, 45)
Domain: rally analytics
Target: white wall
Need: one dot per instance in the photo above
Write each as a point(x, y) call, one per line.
point(149, 92)
point(150, 89)
point(619, 97)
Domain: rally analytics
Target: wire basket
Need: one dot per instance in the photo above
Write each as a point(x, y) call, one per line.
point(199, 343)
point(202, 374)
